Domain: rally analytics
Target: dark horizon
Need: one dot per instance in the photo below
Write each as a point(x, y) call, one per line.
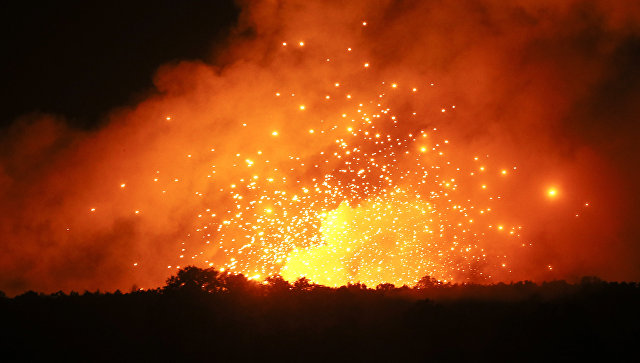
point(207, 315)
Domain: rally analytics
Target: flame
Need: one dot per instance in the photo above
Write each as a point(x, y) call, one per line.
point(342, 143)
point(373, 202)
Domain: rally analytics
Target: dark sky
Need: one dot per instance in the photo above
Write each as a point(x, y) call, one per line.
point(80, 59)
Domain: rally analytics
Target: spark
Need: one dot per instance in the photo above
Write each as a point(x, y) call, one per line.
point(360, 198)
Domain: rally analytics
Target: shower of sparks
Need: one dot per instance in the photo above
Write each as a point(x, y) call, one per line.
point(393, 210)
point(382, 203)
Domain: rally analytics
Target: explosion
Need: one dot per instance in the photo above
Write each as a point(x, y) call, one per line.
point(383, 199)
point(379, 144)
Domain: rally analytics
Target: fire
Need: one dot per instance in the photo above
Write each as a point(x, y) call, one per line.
point(370, 203)
point(316, 146)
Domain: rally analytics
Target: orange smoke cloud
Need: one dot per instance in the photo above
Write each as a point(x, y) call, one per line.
point(527, 83)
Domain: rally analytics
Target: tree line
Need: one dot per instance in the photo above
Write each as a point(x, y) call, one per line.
point(209, 315)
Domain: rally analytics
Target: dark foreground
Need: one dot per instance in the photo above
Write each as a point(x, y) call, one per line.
point(237, 320)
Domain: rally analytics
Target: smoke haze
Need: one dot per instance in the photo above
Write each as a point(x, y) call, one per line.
point(549, 87)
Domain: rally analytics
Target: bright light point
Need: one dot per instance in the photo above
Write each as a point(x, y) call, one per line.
point(122, 185)
point(364, 23)
point(137, 212)
point(93, 209)
point(292, 212)
point(552, 192)
point(168, 118)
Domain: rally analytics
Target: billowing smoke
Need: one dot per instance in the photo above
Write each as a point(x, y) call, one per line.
point(548, 87)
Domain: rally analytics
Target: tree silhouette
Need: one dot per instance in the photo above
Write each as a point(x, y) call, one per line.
point(356, 286)
point(427, 282)
point(385, 287)
point(303, 284)
point(277, 284)
point(236, 283)
point(192, 278)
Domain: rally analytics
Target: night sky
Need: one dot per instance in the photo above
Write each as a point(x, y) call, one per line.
point(101, 99)
point(81, 60)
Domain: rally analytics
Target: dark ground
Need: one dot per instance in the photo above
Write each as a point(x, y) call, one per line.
point(232, 319)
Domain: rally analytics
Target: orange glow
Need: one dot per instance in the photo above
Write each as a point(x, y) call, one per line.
point(360, 168)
